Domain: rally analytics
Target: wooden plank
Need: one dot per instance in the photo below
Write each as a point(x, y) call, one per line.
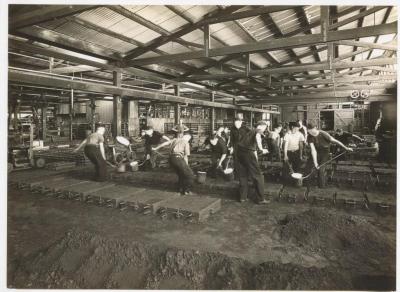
point(324, 11)
point(32, 78)
point(277, 44)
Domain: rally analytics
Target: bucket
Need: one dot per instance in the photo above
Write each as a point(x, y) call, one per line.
point(298, 179)
point(134, 166)
point(229, 174)
point(201, 177)
point(121, 168)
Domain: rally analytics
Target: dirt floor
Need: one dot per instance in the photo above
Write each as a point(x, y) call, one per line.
point(66, 244)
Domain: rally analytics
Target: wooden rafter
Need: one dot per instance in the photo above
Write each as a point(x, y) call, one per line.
point(164, 39)
point(298, 68)
point(385, 18)
point(278, 44)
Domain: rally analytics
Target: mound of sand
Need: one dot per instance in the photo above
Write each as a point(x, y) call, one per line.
point(327, 231)
point(84, 260)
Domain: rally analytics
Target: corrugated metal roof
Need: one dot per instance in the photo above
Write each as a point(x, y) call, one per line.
point(286, 20)
point(242, 31)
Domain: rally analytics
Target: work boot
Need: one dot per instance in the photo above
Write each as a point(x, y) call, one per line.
point(264, 202)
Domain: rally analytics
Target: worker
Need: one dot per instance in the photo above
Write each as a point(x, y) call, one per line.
point(293, 149)
point(180, 127)
point(274, 143)
point(237, 131)
point(152, 138)
point(94, 150)
point(179, 161)
point(303, 129)
point(219, 151)
point(247, 162)
point(320, 143)
point(386, 138)
point(344, 136)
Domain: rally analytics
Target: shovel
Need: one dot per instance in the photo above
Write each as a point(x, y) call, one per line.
point(299, 177)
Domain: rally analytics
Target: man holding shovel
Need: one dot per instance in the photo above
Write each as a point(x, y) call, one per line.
point(152, 138)
point(293, 149)
point(320, 144)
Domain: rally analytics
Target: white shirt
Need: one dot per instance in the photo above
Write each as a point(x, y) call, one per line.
point(293, 140)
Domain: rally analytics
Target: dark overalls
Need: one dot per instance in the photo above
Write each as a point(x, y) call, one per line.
point(236, 135)
point(181, 168)
point(93, 153)
point(217, 151)
point(322, 146)
point(248, 167)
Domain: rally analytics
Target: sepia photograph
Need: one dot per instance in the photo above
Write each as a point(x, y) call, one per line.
point(197, 146)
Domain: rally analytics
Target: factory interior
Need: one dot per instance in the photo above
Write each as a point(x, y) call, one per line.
point(201, 147)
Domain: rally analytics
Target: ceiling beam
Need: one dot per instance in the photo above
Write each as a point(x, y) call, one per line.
point(37, 79)
point(179, 66)
point(254, 11)
point(369, 45)
point(325, 89)
point(329, 94)
point(282, 100)
point(347, 80)
point(318, 23)
point(298, 68)
point(385, 18)
point(103, 64)
point(356, 17)
point(71, 69)
point(43, 13)
point(185, 29)
point(54, 38)
point(277, 44)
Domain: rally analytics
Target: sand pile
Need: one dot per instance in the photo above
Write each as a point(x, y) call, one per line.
point(83, 260)
point(328, 232)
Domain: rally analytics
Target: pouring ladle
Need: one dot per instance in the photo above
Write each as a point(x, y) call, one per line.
point(300, 177)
